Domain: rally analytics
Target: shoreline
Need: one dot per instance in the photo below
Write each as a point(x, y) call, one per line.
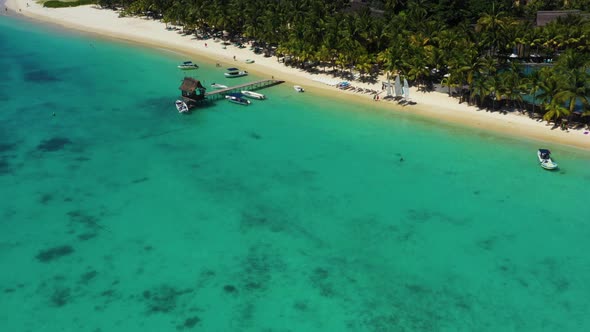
point(433, 106)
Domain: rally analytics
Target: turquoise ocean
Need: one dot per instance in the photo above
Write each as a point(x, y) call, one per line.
point(297, 213)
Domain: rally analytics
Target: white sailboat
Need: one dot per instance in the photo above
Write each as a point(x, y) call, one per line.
point(398, 87)
point(388, 88)
point(406, 90)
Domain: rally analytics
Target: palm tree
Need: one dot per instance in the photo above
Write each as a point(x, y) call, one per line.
point(532, 84)
point(548, 87)
point(480, 88)
point(575, 89)
point(572, 60)
point(555, 111)
point(513, 83)
point(491, 26)
point(364, 64)
point(391, 60)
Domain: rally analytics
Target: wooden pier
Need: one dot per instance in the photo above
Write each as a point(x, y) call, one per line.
point(237, 88)
point(193, 92)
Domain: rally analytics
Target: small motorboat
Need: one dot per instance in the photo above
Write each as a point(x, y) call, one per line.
point(298, 88)
point(249, 61)
point(237, 98)
point(235, 72)
point(218, 86)
point(181, 106)
point(545, 160)
point(254, 95)
point(188, 65)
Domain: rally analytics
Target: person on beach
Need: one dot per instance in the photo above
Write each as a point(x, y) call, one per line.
point(205, 45)
point(234, 58)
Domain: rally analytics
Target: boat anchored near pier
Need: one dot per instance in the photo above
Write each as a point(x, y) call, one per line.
point(253, 95)
point(237, 98)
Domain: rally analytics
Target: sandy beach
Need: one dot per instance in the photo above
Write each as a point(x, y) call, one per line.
point(434, 105)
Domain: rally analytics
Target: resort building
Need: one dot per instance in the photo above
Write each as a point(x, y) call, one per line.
point(546, 16)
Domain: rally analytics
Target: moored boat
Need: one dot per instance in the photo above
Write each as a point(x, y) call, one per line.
point(181, 106)
point(249, 61)
point(255, 95)
point(188, 65)
point(235, 72)
point(545, 160)
point(298, 88)
point(237, 98)
point(218, 86)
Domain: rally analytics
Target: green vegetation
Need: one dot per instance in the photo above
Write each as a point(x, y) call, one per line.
point(61, 4)
point(475, 48)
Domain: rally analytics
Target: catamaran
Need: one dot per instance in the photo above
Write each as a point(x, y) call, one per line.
point(406, 90)
point(398, 87)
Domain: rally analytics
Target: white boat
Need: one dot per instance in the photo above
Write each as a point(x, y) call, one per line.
point(545, 160)
point(398, 87)
point(235, 72)
point(387, 85)
point(406, 90)
point(188, 65)
point(251, 94)
point(249, 61)
point(237, 99)
point(181, 106)
point(218, 86)
point(298, 88)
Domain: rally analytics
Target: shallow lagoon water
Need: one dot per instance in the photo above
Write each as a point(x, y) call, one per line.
point(292, 214)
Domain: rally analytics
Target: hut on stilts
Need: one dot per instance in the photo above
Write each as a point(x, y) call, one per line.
point(193, 91)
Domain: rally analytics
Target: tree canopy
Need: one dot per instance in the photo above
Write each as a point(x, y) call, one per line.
point(474, 44)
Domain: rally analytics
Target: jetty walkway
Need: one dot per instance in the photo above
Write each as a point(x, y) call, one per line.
point(237, 88)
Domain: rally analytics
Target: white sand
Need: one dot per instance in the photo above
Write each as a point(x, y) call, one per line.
point(435, 105)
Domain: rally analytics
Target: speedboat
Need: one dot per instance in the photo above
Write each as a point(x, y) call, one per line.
point(249, 61)
point(545, 160)
point(254, 95)
point(235, 72)
point(298, 88)
point(181, 106)
point(188, 65)
point(218, 86)
point(237, 98)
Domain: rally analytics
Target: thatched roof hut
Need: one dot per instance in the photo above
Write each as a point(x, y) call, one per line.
point(190, 84)
point(192, 89)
